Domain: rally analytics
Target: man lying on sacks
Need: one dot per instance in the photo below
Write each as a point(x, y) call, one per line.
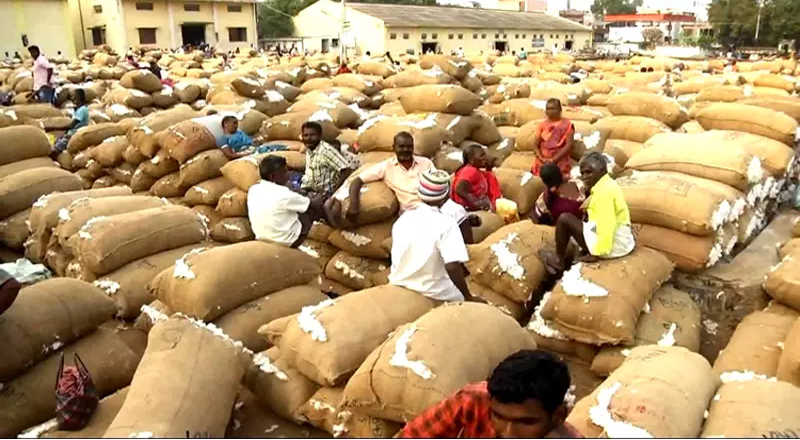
point(607, 233)
point(525, 397)
point(428, 250)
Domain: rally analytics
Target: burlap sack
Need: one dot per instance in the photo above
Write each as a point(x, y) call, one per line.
point(28, 399)
point(143, 134)
point(321, 252)
point(278, 385)
point(494, 299)
point(411, 78)
point(92, 135)
point(143, 80)
point(783, 282)
point(378, 203)
point(753, 409)
point(182, 359)
point(631, 128)
point(123, 173)
point(755, 346)
point(789, 363)
point(788, 105)
point(168, 187)
point(78, 213)
point(207, 192)
point(756, 120)
point(485, 132)
point(14, 230)
point(689, 253)
point(340, 114)
point(160, 165)
point(289, 126)
point(520, 186)
point(645, 396)
point(329, 341)
point(320, 231)
point(671, 320)
point(57, 258)
point(109, 243)
point(244, 172)
point(232, 230)
point(507, 262)
point(368, 85)
point(649, 105)
point(439, 98)
point(127, 286)
point(22, 142)
point(365, 241)
point(21, 190)
point(675, 203)
point(202, 167)
point(548, 338)
point(386, 386)
point(109, 152)
point(186, 139)
point(233, 203)
point(323, 410)
point(26, 164)
point(790, 247)
point(377, 134)
point(133, 98)
point(600, 303)
point(192, 285)
point(376, 68)
point(490, 222)
point(357, 273)
point(44, 317)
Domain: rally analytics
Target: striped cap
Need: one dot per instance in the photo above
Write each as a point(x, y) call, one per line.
point(434, 185)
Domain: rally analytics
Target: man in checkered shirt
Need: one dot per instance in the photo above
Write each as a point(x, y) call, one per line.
point(523, 398)
point(326, 167)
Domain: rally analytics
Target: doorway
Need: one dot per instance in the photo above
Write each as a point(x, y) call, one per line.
point(326, 45)
point(428, 47)
point(568, 45)
point(501, 46)
point(194, 34)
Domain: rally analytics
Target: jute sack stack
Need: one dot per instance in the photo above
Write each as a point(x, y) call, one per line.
point(548, 338)
point(207, 192)
point(783, 281)
point(756, 120)
point(338, 112)
point(193, 284)
point(785, 104)
point(675, 203)
point(357, 273)
point(600, 303)
point(368, 85)
point(186, 139)
point(790, 247)
point(698, 155)
point(631, 128)
point(26, 164)
point(232, 230)
point(14, 230)
point(324, 410)
point(143, 134)
point(430, 359)
point(72, 218)
point(127, 286)
point(22, 142)
point(44, 317)
point(329, 341)
point(377, 134)
point(649, 105)
point(21, 190)
point(143, 80)
point(378, 202)
point(92, 135)
point(278, 385)
point(689, 253)
point(755, 347)
point(520, 186)
point(107, 409)
point(672, 319)
point(507, 261)
point(494, 299)
point(368, 241)
point(242, 323)
point(450, 65)
point(244, 172)
point(28, 399)
point(645, 397)
point(201, 167)
point(233, 203)
point(182, 359)
point(321, 252)
point(753, 409)
point(109, 243)
point(109, 152)
point(789, 363)
point(439, 98)
point(289, 126)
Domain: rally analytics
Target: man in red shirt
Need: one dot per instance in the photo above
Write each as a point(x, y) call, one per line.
point(523, 398)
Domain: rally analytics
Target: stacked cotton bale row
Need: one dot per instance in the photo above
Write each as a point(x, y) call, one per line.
point(55, 318)
point(251, 90)
point(79, 155)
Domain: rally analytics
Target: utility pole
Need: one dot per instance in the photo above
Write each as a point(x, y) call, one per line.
point(343, 34)
point(758, 20)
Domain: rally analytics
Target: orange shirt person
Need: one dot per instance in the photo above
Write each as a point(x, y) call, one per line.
point(554, 137)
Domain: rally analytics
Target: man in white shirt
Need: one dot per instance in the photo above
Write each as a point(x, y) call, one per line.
point(427, 247)
point(277, 214)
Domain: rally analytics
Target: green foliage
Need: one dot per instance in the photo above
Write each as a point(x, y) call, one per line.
point(735, 21)
point(615, 6)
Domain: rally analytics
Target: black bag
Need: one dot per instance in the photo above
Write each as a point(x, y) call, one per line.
point(76, 396)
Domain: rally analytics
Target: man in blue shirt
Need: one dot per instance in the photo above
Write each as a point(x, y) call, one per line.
point(234, 142)
point(80, 119)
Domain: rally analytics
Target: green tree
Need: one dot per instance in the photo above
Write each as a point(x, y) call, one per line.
point(275, 17)
point(735, 21)
point(615, 6)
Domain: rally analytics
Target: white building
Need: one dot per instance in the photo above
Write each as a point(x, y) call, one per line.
point(699, 8)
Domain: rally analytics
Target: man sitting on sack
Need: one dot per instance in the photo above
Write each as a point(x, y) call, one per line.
point(326, 167)
point(523, 398)
point(607, 234)
point(428, 250)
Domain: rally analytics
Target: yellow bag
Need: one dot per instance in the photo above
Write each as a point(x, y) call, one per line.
point(507, 209)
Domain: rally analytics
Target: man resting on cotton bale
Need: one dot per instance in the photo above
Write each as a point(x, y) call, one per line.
point(326, 168)
point(277, 214)
point(523, 398)
point(80, 119)
point(428, 250)
point(607, 233)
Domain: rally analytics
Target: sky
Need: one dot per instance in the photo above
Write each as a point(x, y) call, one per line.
point(554, 5)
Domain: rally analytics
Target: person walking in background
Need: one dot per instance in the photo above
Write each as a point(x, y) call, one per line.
point(42, 76)
point(554, 138)
point(80, 119)
point(475, 186)
point(523, 398)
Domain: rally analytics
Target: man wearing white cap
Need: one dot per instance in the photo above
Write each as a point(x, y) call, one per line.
point(428, 249)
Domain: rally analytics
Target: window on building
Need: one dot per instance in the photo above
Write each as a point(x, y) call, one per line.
point(98, 36)
point(483, 36)
point(234, 8)
point(393, 36)
point(460, 36)
point(434, 36)
point(450, 36)
point(524, 36)
point(144, 6)
point(98, 9)
point(516, 36)
point(147, 35)
point(505, 36)
point(551, 35)
point(496, 36)
point(405, 36)
point(237, 35)
point(191, 7)
point(334, 42)
point(424, 36)
point(474, 36)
